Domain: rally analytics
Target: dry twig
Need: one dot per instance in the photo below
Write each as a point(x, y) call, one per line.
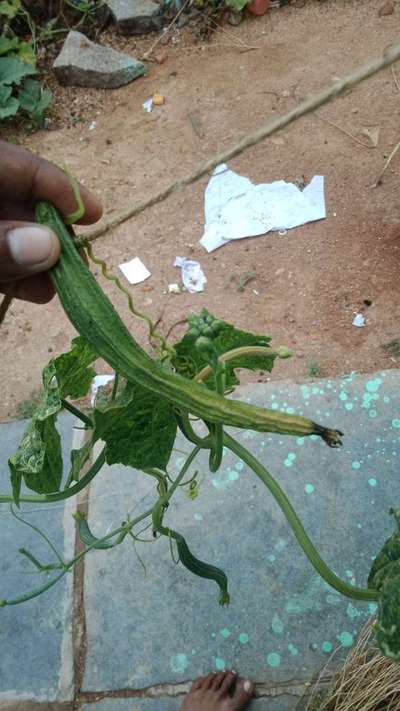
point(386, 166)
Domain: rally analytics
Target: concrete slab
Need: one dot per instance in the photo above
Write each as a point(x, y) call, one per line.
point(35, 637)
point(285, 703)
point(283, 620)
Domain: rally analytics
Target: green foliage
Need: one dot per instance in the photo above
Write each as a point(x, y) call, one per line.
point(385, 577)
point(138, 428)
point(73, 369)
point(189, 360)
point(18, 93)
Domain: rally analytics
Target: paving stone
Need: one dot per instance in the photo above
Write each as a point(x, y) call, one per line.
point(284, 703)
point(35, 637)
point(136, 17)
point(283, 620)
point(85, 63)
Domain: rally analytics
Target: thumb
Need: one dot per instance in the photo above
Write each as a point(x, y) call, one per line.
point(26, 249)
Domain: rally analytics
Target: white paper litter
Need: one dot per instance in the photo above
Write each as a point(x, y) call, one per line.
point(193, 276)
point(174, 289)
point(359, 321)
point(236, 208)
point(148, 105)
point(135, 271)
point(98, 382)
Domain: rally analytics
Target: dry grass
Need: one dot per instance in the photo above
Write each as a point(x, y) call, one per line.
point(368, 681)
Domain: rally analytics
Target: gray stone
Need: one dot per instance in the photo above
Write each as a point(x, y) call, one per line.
point(136, 17)
point(36, 661)
point(166, 626)
point(170, 703)
point(84, 63)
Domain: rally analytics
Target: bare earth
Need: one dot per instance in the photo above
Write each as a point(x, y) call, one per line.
point(311, 281)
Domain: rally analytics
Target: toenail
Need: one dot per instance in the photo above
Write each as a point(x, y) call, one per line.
point(248, 686)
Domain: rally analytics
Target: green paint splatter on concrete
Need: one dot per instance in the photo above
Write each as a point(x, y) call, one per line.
point(372, 608)
point(290, 410)
point(271, 557)
point(327, 647)
point(243, 638)
point(239, 466)
point(219, 664)
point(274, 406)
point(333, 600)
point(349, 573)
point(273, 659)
point(368, 399)
point(343, 396)
point(290, 459)
point(198, 517)
point(345, 638)
point(277, 625)
point(309, 600)
point(372, 481)
point(300, 441)
point(292, 649)
point(386, 399)
point(373, 413)
point(352, 612)
point(225, 633)
point(349, 406)
point(305, 391)
point(309, 488)
point(233, 475)
point(373, 385)
point(280, 545)
point(396, 424)
point(179, 663)
point(356, 464)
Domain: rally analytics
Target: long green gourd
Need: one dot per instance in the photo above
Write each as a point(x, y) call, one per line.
point(95, 318)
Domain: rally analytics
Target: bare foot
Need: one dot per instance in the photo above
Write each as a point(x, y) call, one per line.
point(219, 692)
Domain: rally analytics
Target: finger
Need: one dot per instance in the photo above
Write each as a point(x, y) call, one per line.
point(26, 249)
point(27, 178)
point(38, 289)
point(197, 684)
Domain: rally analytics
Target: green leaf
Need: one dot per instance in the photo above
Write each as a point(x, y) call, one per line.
point(74, 376)
point(14, 47)
point(385, 578)
point(10, 8)
point(38, 459)
point(237, 5)
point(79, 457)
point(139, 428)
point(34, 99)
point(189, 361)
point(12, 71)
point(8, 104)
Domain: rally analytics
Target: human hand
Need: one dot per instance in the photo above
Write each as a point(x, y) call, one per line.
point(28, 250)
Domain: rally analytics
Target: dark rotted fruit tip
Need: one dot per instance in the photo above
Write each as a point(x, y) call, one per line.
point(331, 437)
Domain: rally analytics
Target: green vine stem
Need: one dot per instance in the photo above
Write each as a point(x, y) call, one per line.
point(61, 495)
point(250, 351)
point(68, 566)
point(298, 529)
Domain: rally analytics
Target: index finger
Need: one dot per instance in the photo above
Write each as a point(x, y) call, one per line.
point(27, 178)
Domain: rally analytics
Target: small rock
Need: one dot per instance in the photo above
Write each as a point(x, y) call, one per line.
point(285, 94)
point(386, 9)
point(136, 17)
point(85, 63)
point(279, 271)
